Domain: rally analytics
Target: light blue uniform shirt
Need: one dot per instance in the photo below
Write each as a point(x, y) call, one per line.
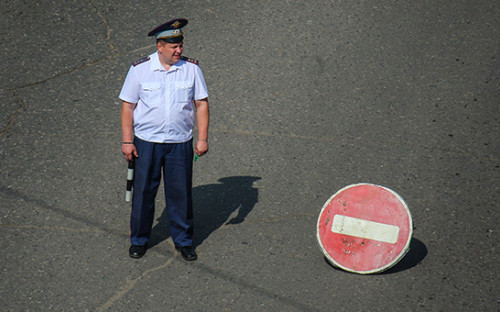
point(164, 112)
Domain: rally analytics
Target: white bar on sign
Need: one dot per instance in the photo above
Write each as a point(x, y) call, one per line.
point(365, 229)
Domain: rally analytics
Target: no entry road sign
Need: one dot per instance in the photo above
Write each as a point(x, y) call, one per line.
point(364, 228)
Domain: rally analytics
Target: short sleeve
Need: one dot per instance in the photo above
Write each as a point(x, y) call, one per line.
point(200, 87)
point(131, 87)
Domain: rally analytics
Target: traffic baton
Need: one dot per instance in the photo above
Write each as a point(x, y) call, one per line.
point(130, 180)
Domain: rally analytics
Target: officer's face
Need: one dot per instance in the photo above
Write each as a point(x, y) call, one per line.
point(170, 52)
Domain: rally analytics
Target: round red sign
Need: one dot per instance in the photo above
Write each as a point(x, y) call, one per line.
point(364, 228)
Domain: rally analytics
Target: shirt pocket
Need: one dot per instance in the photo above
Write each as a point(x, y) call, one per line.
point(183, 91)
point(150, 92)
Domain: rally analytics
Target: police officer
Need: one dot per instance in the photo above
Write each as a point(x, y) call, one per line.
point(161, 95)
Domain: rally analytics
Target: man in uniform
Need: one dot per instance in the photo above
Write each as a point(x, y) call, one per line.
point(161, 95)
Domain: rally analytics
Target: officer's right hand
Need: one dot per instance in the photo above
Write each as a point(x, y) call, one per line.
point(129, 151)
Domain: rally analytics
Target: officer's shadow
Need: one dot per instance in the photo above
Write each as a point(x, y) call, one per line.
point(214, 205)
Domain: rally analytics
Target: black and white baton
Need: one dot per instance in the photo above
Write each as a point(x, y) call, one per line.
point(130, 180)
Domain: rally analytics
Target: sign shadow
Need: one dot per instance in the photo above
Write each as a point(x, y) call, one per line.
point(416, 253)
point(214, 205)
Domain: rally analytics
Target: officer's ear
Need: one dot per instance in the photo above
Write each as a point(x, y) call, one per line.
point(160, 44)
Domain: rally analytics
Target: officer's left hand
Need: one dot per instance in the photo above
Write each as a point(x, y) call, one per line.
point(201, 148)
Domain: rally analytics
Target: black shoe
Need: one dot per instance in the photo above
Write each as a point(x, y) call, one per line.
point(136, 251)
point(188, 253)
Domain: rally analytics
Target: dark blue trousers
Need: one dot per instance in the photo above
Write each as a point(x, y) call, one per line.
point(175, 161)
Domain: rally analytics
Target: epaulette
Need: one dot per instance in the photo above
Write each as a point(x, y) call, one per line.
point(142, 60)
point(190, 60)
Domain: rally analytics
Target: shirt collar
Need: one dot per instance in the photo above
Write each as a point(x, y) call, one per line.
point(156, 64)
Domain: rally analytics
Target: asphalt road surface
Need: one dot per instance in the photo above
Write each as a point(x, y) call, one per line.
point(306, 97)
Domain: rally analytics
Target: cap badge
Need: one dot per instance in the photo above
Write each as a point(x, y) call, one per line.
point(176, 24)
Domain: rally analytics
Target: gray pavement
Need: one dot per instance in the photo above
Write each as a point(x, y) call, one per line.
point(306, 98)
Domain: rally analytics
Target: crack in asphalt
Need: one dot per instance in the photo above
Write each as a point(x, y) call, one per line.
point(106, 23)
point(114, 53)
point(130, 284)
